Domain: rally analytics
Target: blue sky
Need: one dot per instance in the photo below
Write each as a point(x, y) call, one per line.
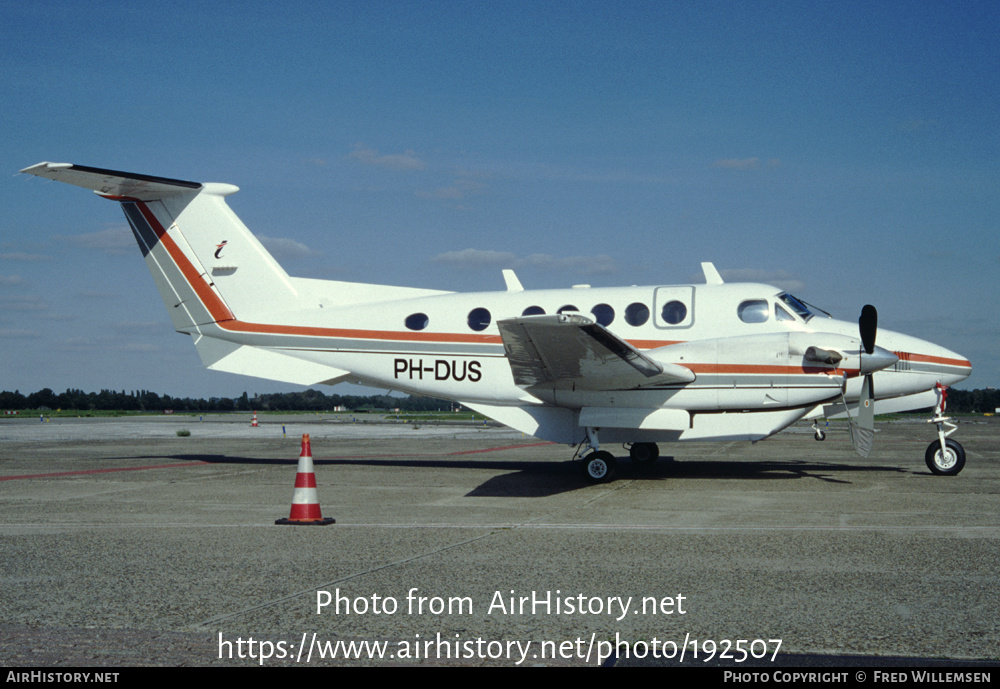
point(846, 151)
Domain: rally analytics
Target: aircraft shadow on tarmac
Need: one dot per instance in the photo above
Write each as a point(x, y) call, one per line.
point(527, 478)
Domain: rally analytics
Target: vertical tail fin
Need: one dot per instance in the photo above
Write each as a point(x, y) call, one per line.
point(206, 264)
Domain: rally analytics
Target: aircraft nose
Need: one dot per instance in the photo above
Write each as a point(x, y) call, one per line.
point(948, 366)
point(964, 370)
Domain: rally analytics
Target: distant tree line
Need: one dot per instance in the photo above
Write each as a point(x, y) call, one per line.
point(959, 401)
point(973, 401)
point(144, 400)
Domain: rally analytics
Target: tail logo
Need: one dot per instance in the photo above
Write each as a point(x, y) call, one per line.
point(219, 247)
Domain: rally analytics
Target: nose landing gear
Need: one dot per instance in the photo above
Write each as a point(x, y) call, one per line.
point(944, 456)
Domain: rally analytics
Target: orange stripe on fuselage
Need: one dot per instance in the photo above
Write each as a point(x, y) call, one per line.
point(227, 321)
point(768, 369)
point(224, 317)
point(244, 326)
point(928, 359)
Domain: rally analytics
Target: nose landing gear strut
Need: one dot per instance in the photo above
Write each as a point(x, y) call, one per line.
point(944, 456)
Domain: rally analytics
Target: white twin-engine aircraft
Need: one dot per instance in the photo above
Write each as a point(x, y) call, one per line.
point(636, 365)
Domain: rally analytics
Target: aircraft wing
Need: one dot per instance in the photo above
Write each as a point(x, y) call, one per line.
point(569, 351)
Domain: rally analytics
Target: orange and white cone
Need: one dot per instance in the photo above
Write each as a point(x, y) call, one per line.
point(253, 422)
point(305, 499)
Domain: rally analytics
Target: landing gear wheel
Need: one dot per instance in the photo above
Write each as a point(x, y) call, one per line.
point(947, 463)
point(820, 434)
point(644, 453)
point(599, 467)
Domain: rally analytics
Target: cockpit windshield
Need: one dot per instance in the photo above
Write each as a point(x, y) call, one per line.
point(797, 306)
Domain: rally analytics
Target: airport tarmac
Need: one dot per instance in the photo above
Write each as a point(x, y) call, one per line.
point(125, 544)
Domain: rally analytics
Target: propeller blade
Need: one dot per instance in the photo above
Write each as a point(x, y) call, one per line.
point(868, 325)
point(863, 434)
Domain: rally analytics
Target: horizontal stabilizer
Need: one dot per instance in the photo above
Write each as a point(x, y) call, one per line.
point(112, 182)
point(571, 351)
point(219, 355)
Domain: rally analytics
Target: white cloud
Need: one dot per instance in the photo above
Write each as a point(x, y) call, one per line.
point(18, 333)
point(143, 326)
point(459, 190)
point(600, 264)
point(476, 258)
point(283, 248)
point(141, 347)
point(371, 156)
point(745, 163)
point(114, 240)
point(11, 280)
point(22, 256)
point(23, 303)
point(781, 279)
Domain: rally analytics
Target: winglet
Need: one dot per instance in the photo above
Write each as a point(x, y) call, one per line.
point(712, 276)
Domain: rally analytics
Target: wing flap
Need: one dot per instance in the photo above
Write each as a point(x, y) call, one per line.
point(571, 351)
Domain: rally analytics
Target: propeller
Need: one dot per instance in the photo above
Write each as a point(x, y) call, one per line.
point(863, 435)
point(868, 325)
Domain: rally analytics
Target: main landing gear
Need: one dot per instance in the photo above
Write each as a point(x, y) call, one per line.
point(944, 456)
point(600, 467)
point(644, 453)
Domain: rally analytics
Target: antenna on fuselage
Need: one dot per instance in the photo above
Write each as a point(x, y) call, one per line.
point(513, 284)
point(712, 276)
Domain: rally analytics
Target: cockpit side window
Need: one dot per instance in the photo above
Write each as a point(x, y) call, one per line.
point(781, 314)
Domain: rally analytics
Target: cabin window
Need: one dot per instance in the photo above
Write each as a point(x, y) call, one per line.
point(533, 311)
point(604, 314)
point(417, 321)
point(636, 314)
point(479, 319)
point(753, 311)
point(674, 312)
point(568, 307)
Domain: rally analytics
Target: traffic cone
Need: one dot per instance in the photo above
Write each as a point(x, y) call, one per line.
point(253, 423)
point(305, 499)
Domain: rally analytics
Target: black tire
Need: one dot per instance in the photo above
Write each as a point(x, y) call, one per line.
point(644, 453)
point(948, 463)
point(820, 435)
point(599, 467)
